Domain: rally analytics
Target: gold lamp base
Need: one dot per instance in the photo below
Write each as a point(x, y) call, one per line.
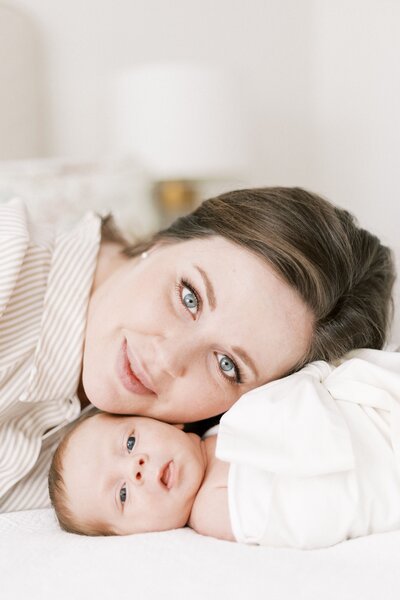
point(175, 198)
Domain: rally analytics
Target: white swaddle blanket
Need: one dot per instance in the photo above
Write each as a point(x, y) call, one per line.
point(315, 457)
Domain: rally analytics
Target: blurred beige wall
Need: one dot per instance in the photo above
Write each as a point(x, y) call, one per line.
point(22, 95)
point(267, 42)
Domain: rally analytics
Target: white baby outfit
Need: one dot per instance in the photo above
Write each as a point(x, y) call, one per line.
point(315, 457)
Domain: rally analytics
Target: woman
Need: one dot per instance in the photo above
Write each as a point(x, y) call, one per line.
point(245, 290)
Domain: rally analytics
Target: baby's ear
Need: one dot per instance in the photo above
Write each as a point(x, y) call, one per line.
point(179, 425)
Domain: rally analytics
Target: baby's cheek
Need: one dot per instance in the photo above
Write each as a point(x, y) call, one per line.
point(180, 515)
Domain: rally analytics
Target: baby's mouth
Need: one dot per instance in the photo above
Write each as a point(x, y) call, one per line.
point(167, 474)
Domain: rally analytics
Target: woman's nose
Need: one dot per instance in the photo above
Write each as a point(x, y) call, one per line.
point(139, 468)
point(173, 354)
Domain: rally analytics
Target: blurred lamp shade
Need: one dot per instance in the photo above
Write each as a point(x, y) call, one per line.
point(182, 122)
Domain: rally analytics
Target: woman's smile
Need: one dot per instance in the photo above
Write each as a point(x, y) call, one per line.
point(130, 379)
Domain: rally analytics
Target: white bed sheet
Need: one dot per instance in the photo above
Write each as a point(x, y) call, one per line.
point(38, 561)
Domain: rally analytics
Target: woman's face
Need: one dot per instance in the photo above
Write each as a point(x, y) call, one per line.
point(181, 334)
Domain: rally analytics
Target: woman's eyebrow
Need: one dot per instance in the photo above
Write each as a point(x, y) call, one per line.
point(212, 301)
point(209, 288)
point(246, 359)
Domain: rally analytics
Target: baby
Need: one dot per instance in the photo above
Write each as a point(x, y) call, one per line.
point(304, 462)
point(114, 475)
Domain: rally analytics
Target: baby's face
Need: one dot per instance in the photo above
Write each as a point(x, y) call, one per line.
point(132, 474)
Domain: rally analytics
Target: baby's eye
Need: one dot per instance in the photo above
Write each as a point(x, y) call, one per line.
point(228, 368)
point(189, 299)
point(122, 494)
point(130, 444)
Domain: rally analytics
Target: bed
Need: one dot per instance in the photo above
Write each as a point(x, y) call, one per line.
point(39, 561)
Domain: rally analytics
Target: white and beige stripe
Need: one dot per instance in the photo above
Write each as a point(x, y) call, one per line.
point(45, 282)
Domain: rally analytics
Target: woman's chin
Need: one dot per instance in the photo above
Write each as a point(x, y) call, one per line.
point(97, 394)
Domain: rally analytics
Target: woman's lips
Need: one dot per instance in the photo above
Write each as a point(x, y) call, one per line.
point(127, 377)
point(167, 475)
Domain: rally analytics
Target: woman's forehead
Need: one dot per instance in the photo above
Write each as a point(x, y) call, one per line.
point(208, 242)
point(230, 266)
point(216, 254)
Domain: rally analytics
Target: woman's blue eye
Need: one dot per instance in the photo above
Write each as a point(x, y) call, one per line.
point(189, 299)
point(228, 367)
point(130, 444)
point(122, 494)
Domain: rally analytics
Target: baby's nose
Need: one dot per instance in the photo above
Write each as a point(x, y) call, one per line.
point(139, 467)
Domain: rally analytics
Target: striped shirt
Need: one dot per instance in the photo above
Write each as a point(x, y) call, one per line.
point(45, 280)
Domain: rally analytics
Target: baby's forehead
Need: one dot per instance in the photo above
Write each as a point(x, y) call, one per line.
point(91, 425)
point(81, 432)
point(99, 419)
